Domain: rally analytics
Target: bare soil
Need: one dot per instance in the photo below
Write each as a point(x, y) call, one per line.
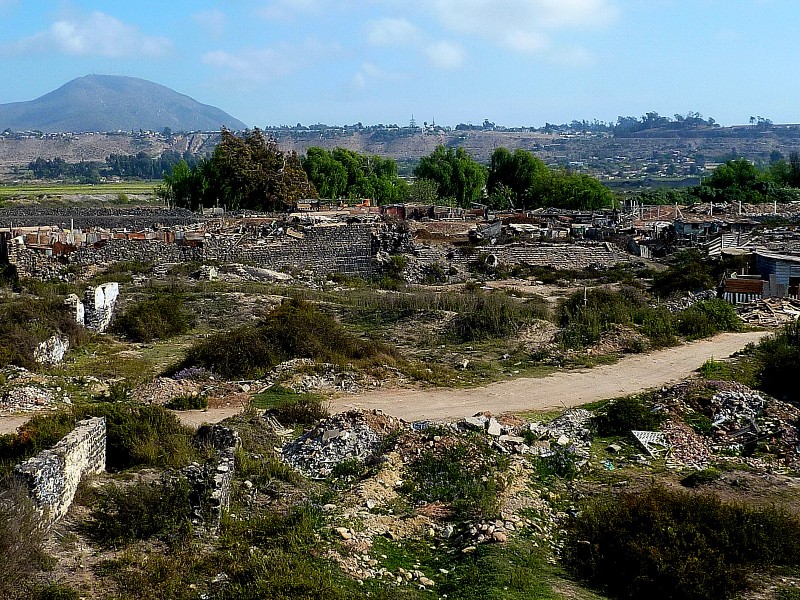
point(630, 375)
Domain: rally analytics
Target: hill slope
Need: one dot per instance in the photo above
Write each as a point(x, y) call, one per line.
point(113, 103)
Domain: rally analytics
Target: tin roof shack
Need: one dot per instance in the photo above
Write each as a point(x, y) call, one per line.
point(781, 272)
point(701, 229)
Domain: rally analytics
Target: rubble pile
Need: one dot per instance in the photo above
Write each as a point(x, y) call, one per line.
point(770, 311)
point(353, 435)
point(570, 429)
point(734, 410)
point(27, 398)
point(676, 305)
point(688, 448)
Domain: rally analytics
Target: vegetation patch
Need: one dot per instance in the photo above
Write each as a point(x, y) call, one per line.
point(622, 415)
point(161, 317)
point(662, 544)
point(296, 329)
point(289, 407)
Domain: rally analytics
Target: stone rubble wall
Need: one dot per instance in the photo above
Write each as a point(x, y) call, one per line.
point(211, 483)
point(52, 476)
point(349, 249)
point(133, 218)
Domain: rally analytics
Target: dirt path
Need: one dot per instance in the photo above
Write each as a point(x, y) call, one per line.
point(560, 390)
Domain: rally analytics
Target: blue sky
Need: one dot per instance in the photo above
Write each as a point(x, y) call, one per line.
point(515, 62)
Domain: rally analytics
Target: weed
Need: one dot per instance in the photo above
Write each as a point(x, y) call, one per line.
point(187, 403)
point(664, 544)
point(161, 317)
point(622, 415)
point(290, 407)
point(139, 511)
point(21, 539)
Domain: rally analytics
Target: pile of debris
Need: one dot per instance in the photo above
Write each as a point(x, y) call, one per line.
point(734, 410)
point(573, 428)
point(350, 436)
point(28, 398)
point(770, 311)
point(676, 305)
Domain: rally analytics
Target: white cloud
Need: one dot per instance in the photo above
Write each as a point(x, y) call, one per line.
point(392, 32)
point(250, 66)
point(214, 21)
point(97, 34)
point(522, 25)
point(286, 9)
point(445, 55)
point(369, 73)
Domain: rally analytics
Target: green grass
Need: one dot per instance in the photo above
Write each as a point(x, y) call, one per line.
point(36, 190)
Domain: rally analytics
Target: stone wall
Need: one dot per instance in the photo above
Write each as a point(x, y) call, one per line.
point(52, 476)
point(132, 218)
point(211, 483)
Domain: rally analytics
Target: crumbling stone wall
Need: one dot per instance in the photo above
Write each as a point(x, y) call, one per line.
point(133, 218)
point(98, 306)
point(211, 483)
point(52, 476)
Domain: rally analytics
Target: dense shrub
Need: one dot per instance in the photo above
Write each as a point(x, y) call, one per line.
point(161, 317)
point(708, 317)
point(778, 361)
point(295, 329)
point(289, 407)
point(584, 317)
point(21, 540)
point(25, 323)
point(622, 415)
point(494, 315)
point(187, 403)
point(662, 544)
point(136, 436)
point(689, 272)
point(122, 514)
point(462, 472)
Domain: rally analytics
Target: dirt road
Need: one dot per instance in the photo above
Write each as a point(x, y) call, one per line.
point(632, 374)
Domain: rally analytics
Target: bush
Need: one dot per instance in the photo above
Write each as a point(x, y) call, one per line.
point(295, 329)
point(122, 514)
point(662, 544)
point(464, 473)
point(494, 315)
point(584, 318)
point(777, 361)
point(434, 273)
point(289, 407)
point(702, 477)
point(708, 317)
point(187, 403)
point(622, 415)
point(689, 272)
point(561, 463)
point(162, 317)
point(26, 323)
point(21, 539)
point(136, 436)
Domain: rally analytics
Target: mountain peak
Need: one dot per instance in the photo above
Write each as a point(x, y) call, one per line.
point(113, 103)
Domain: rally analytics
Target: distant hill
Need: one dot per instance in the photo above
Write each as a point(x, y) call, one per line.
point(113, 103)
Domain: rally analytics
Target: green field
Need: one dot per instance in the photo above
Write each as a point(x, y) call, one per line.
point(8, 192)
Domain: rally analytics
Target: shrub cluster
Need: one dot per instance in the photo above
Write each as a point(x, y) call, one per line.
point(662, 544)
point(584, 318)
point(187, 403)
point(463, 472)
point(26, 323)
point(622, 415)
point(289, 407)
point(494, 315)
point(137, 435)
point(295, 329)
point(122, 514)
point(161, 317)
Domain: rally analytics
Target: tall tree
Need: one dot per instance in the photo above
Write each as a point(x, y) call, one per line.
point(456, 173)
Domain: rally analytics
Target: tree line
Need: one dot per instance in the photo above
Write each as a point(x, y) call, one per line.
point(128, 166)
point(251, 172)
point(738, 180)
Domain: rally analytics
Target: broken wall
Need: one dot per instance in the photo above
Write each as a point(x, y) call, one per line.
point(52, 476)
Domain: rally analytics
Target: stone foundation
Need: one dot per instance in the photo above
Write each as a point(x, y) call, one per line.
point(52, 476)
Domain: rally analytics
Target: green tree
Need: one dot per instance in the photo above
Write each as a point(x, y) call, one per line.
point(456, 174)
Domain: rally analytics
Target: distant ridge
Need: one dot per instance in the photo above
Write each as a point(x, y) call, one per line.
point(113, 103)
